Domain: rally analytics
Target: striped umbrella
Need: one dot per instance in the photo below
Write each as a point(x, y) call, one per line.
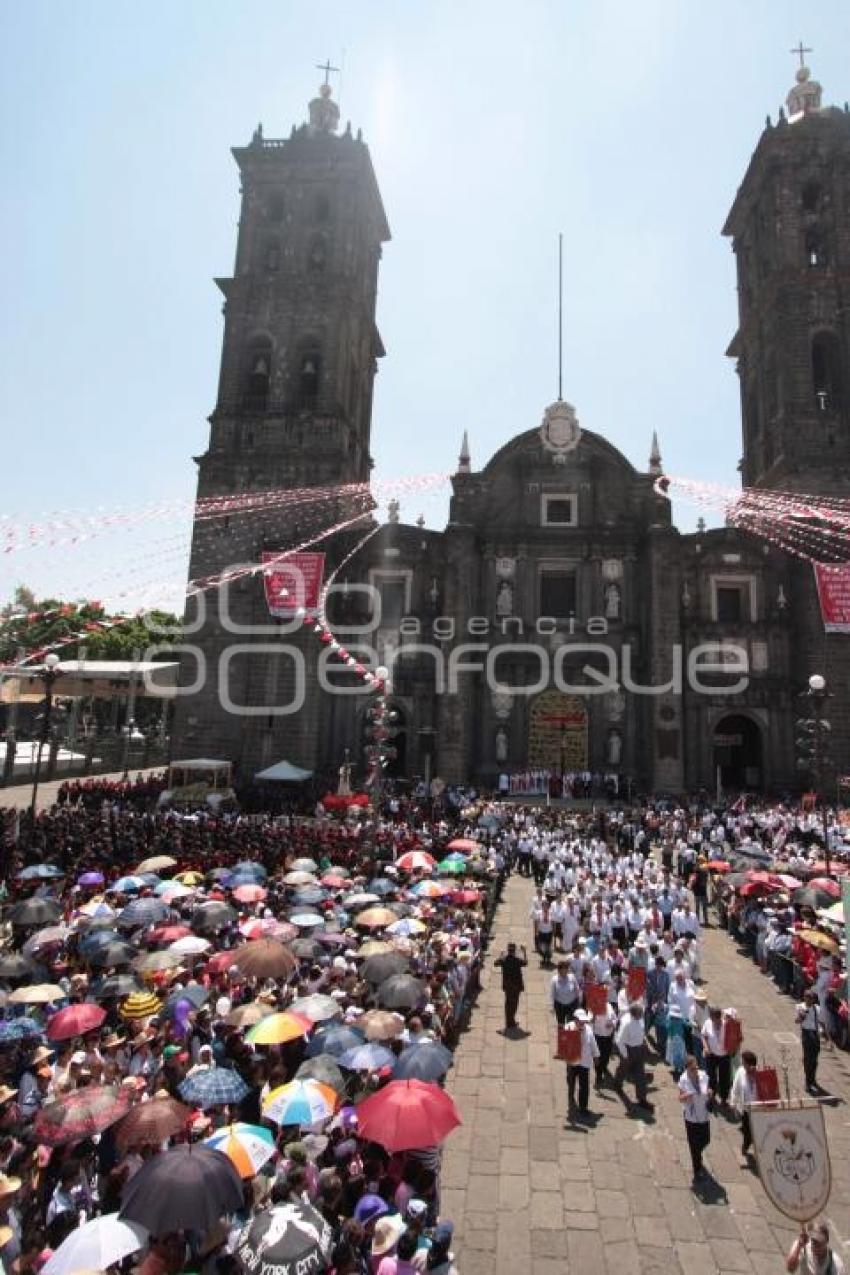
point(431, 889)
point(214, 1087)
point(277, 1029)
point(416, 861)
point(300, 1102)
point(74, 1020)
point(249, 1146)
point(140, 1005)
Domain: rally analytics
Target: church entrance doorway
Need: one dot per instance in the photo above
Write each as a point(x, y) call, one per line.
point(557, 736)
point(737, 746)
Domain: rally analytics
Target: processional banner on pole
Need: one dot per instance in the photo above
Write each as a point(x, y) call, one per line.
point(833, 582)
point(792, 1154)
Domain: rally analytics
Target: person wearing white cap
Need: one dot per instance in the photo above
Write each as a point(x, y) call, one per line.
point(578, 1073)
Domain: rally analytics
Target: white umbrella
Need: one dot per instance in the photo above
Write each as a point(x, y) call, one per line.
point(97, 1244)
point(190, 945)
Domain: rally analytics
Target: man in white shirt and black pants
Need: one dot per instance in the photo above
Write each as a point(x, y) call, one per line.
point(811, 1029)
point(631, 1043)
point(578, 1073)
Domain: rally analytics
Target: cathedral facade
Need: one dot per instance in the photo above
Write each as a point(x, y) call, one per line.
point(560, 622)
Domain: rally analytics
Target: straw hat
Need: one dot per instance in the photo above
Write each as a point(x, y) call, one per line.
point(8, 1186)
point(6, 1094)
point(41, 1055)
point(388, 1231)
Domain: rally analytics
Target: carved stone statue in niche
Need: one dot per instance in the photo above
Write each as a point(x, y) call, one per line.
point(504, 599)
point(501, 744)
point(614, 748)
point(613, 601)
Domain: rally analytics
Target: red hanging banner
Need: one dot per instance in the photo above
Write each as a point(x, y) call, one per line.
point(294, 581)
point(833, 584)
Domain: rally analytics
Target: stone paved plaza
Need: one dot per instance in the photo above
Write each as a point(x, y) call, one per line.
point(527, 1192)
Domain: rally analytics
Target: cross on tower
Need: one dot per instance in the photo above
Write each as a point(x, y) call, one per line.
point(800, 51)
point(327, 68)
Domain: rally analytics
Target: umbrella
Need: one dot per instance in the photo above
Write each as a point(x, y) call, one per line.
point(374, 947)
point(220, 961)
point(91, 878)
point(464, 844)
point(377, 969)
point(113, 953)
point(318, 1008)
point(194, 993)
point(265, 958)
point(402, 991)
point(15, 966)
point(407, 1115)
point(142, 912)
point(152, 1123)
point(456, 866)
point(277, 1029)
point(250, 893)
point(336, 880)
point(466, 897)
point(300, 1102)
point(156, 962)
point(306, 949)
point(381, 886)
point(360, 899)
point(718, 865)
point(376, 918)
point(75, 1020)
point(306, 920)
point(185, 1188)
point(334, 1040)
point(167, 933)
point(140, 1005)
point(189, 878)
point(169, 891)
point(248, 1146)
point(285, 1238)
point(79, 1114)
point(251, 868)
point(35, 912)
point(38, 994)
point(247, 1015)
point(369, 1056)
point(304, 865)
point(754, 889)
point(816, 939)
point(210, 917)
point(300, 878)
point(15, 1029)
point(827, 885)
point(379, 1024)
point(115, 986)
point(309, 896)
point(190, 945)
point(806, 897)
point(325, 1070)
point(157, 863)
point(428, 1060)
point(416, 861)
point(431, 889)
point(49, 937)
point(40, 872)
point(406, 926)
point(834, 913)
point(215, 1087)
point(102, 1242)
point(128, 885)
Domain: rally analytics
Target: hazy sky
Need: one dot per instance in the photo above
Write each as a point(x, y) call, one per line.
point(626, 124)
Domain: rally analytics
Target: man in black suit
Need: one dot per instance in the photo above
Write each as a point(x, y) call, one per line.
point(513, 986)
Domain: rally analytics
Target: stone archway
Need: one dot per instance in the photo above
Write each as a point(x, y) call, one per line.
point(738, 752)
point(557, 732)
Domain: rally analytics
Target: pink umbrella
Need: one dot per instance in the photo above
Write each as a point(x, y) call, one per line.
point(75, 1020)
point(249, 893)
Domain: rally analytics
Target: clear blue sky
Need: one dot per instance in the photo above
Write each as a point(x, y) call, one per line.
point(627, 124)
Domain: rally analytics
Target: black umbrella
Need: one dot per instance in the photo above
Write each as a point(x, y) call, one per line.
point(111, 954)
point(185, 1188)
point(428, 1060)
point(401, 991)
point(35, 912)
point(324, 1069)
point(306, 949)
point(811, 897)
point(210, 917)
point(194, 992)
point(376, 969)
point(115, 987)
point(142, 912)
point(15, 966)
point(287, 1237)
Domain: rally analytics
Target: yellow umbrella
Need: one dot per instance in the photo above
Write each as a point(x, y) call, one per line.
point(276, 1029)
point(824, 941)
point(38, 994)
point(140, 1005)
point(189, 878)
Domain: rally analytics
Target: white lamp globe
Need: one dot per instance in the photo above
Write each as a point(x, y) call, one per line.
point(817, 683)
point(51, 660)
point(382, 672)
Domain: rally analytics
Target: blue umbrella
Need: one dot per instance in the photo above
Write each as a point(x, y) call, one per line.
point(250, 866)
point(216, 1087)
point(129, 885)
point(381, 886)
point(113, 953)
point(40, 872)
point(427, 1060)
point(309, 894)
point(334, 1041)
point(12, 1029)
point(94, 939)
point(367, 1057)
point(142, 912)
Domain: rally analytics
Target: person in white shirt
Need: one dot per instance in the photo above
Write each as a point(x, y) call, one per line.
point(744, 1094)
point(811, 1252)
point(578, 1073)
point(811, 1029)
point(631, 1044)
point(695, 1096)
point(604, 1026)
point(682, 995)
point(564, 992)
point(718, 1064)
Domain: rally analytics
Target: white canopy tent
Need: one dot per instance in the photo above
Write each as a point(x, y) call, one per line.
point(283, 772)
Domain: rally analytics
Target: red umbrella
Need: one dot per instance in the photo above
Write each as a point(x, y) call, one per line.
point(168, 933)
point(406, 1115)
point(719, 865)
point(751, 889)
point(465, 897)
point(75, 1020)
point(827, 885)
point(79, 1114)
point(220, 962)
point(465, 844)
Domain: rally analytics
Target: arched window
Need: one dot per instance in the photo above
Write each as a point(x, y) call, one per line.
point(258, 373)
point(322, 208)
point(318, 254)
point(811, 197)
point(309, 376)
point(827, 372)
point(816, 256)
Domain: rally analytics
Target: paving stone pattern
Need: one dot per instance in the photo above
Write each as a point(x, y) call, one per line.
point(529, 1192)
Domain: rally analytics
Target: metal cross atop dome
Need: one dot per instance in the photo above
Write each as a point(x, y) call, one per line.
point(800, 51)
point(327, 68)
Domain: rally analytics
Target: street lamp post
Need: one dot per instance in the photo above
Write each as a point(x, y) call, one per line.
point(49, 675)
point(818, 695)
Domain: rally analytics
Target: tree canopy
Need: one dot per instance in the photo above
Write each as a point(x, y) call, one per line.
point(81, 628)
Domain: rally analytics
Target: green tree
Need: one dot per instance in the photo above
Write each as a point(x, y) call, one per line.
point(29, 624)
